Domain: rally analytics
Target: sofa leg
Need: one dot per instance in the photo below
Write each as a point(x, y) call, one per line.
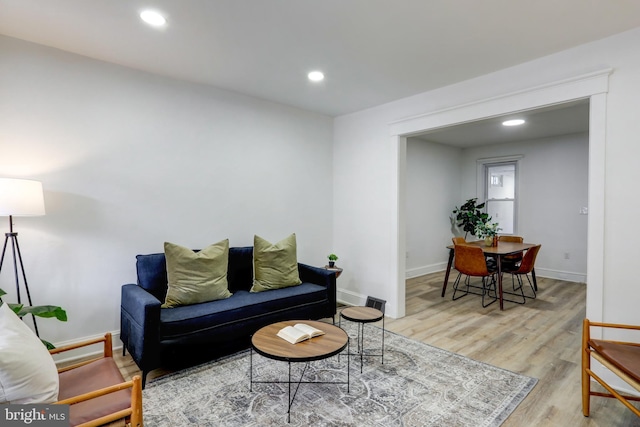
point(124, 350)
point(144, 378)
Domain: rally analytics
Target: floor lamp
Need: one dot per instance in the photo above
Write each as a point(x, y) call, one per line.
point(19, 197)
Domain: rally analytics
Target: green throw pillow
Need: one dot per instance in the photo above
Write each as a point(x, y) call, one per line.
point(274, 265)
point(196, 277)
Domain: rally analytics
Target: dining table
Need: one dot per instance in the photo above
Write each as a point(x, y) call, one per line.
point(498, 252)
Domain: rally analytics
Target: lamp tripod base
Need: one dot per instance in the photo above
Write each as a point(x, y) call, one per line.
point(17, 258)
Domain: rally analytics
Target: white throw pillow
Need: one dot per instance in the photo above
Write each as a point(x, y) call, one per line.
point(28, 373)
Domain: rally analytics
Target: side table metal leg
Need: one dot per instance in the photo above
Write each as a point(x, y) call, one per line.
point(340, 326)
point(348, 365)
point(361, 344)
point(251, 369)
point(383, 340)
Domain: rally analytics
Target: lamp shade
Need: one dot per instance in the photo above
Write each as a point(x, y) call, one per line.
point(21, 197)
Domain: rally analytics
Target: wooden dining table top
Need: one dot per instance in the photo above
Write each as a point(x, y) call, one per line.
point(503, 248)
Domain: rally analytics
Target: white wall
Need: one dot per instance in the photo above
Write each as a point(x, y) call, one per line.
point(433, 189)
point(365, 167)
point(129, 160)
point(552, 176)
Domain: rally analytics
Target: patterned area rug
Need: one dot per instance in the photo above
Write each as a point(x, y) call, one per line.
point(418, 385)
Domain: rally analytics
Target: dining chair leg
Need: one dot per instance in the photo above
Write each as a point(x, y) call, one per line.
point(533, 287)
point(486, 289)
point(514, 278)
point(535, 281)
point(521, 285)
point(456, 286)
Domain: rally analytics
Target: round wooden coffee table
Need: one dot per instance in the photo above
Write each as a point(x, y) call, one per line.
point(267, 343)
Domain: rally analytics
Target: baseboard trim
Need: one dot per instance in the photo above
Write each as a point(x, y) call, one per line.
point(350, 298)
point(568, 276)
point(427, 269)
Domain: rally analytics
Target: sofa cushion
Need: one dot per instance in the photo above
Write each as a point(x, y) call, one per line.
point(195, 277)
point(27, 371)
point(240, 306)
point(274, 265)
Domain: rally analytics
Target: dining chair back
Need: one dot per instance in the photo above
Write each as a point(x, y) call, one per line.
point(524, 269)
point(528, 261)
point(470, 261)
point(458, 240)
point(514, 239)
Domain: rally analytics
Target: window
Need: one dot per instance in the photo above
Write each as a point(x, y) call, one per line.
point(500, 194)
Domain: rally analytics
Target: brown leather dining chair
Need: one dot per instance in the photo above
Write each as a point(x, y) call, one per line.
point(525, 268)
point(470, 261)
point(458, 240)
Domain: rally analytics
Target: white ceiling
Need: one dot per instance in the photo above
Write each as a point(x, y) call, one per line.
point(541, 123)
point(372, 51)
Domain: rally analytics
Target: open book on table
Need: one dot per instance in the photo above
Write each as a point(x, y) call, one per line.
point(299, 332)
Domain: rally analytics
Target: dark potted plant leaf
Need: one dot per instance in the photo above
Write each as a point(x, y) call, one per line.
point(37, 310)
point(469, 215)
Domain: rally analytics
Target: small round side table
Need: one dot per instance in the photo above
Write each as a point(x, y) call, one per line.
point(362, 315)
point(338, 270)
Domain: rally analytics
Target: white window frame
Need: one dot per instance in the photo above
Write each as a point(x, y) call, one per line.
point(482, 181)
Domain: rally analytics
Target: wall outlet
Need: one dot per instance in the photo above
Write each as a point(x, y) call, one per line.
point(567, 255)
point(584, 210)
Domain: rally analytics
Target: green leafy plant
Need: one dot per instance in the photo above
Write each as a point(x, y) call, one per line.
point(37, 310)
point(487, 229)
point(332, 257)
point(469, 216)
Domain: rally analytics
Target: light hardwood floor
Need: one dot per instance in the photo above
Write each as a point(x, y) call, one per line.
point(540, 339)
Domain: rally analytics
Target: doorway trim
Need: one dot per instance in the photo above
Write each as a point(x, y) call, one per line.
point(593, 86)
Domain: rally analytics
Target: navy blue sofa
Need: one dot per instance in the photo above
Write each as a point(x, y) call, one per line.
point(152, 335)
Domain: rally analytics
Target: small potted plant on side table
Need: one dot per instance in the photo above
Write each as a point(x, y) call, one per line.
point(332, 265)
point(332, 260)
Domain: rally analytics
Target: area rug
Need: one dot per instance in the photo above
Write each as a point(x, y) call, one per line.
point(418, 385)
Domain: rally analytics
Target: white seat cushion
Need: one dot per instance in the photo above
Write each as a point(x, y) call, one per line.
point(28, 373)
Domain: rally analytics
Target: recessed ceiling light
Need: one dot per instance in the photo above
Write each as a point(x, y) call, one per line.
point(515, 122)
point(153, 18)
point(316, 76)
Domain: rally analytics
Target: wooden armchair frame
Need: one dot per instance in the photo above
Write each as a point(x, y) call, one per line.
point(589, 351)
point(131, 415)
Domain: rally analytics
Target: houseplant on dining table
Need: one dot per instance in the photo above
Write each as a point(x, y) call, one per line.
point(488, 231)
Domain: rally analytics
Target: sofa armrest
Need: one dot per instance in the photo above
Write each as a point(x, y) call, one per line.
point(322, 277)
point(140, 326)
point(143, 307)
